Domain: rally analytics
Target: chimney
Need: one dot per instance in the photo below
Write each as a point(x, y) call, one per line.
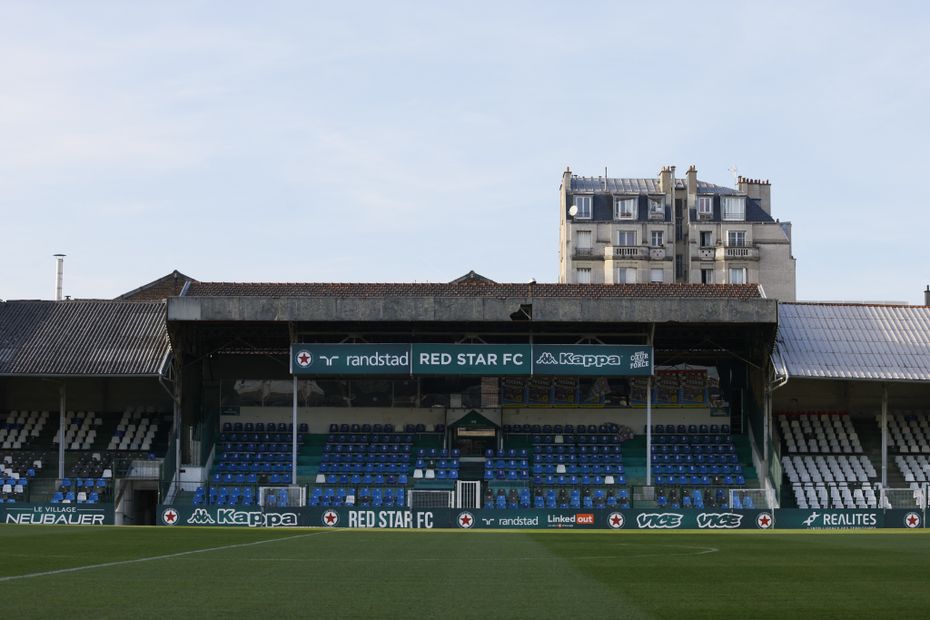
point(758, 189)
point(667, 179)
point(692, 186)
point(927, 296)
point(59, 274)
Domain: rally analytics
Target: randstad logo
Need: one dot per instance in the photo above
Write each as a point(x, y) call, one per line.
point(658, 520)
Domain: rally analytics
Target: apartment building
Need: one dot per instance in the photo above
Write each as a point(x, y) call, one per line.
point(669, 229)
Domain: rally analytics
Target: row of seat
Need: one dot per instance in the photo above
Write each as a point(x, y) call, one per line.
point(701, 470)
point(267, 437)
point(362, 458)
point(577, 449)
point(540, 440)
point(372, 438)
point(361, 497)
point(691, 429)
point(263, 427)
point(580, 459)
point(697, 459)
point(367, 468)
point(585, 469)
point(253, 468)
point(356, 479)
point(276, 477)
point(571, 480)
point(691, 440)
point(79, 497)
point(828, 468)
point(560, 429)
point(729, 480)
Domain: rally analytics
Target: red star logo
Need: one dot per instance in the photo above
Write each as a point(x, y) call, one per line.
point(465, 520)
point(764, 521)
point(330, 517)
point(912, 520)
point(303, 359)
point(615, 520)
point(171, 516)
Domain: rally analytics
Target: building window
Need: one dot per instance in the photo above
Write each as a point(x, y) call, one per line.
point(737, 275)
point(583, 204)
point(583, 275)
point(583, 239)
point(625, 209)
point(707, 276)
point(707, 239)
point(626, 238)
point(625, 275)
point(656, 276)
point(657, 238)
point(736, 238)
point(734, 208)
point(705, 207)
point(657, 208)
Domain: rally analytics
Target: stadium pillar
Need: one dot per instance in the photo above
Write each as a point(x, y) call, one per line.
point(62, 394)
point(294, 436)
point(649, 431)
point(884, 438)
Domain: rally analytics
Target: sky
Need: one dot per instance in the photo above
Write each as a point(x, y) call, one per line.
point(415, 141)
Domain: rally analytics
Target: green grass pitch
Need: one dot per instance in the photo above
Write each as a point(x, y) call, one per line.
point(167, 573)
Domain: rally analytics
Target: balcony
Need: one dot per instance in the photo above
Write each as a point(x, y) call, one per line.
point(586, 254)
point(726, 253)
point(741, 253)
point(633, 252)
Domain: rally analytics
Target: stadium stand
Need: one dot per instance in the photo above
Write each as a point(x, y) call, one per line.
point(908, 431)
point(824, 463)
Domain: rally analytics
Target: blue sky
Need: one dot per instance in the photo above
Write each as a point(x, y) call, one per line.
point(413, 141)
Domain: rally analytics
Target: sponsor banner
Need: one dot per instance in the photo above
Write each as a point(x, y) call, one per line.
point(616, 520)
point(238, 516)
point(826, 519)
point(57, 514)
point(377, 518)
point(488, 360)
point(350, 359)
point(592, 360)
point(907, 519)
point(530, 519)
point(662, 519)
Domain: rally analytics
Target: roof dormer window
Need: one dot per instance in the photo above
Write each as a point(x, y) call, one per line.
point(657, 208)
point(705, 207)
point(734, 208)
point(625, 209)
point(583, 205)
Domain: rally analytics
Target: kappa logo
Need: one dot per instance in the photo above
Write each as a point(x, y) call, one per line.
point(911, 520)
point(170, 516)
point(809, 521)
point(578, 359)
point(659, 520)
point(615, 521)
point(763, 521)
point(201, 517)
point(304, 358)
point(719, 520)
point(466, 520)
point(330, 518)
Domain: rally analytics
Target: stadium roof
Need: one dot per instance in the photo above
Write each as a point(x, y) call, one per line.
point(845, 341)
point(475, 289)
point(82, 338)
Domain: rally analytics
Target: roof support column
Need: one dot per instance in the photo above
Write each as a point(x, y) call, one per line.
point(294, 436)
point(62, 395)
point(884, 440)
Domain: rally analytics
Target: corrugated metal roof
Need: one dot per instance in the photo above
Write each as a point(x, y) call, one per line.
point(641, 186)
point(477, 289)
point(844, 341)
point(82, 338)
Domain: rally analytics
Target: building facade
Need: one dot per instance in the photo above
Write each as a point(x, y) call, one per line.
point(666, 229)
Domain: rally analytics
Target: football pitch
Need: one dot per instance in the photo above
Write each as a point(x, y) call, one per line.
point(71, 572)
